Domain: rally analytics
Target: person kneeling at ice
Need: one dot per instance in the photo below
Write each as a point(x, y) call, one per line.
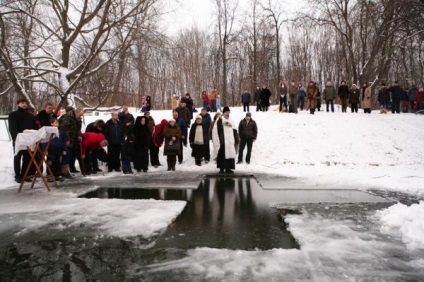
point(90, 142)
point(225, 141)
point(198, 141)
point(57, 150)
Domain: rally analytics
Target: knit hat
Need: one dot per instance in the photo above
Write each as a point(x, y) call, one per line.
point(248, 114)
point(171, 120)
point(226, 109)
point(199, 116)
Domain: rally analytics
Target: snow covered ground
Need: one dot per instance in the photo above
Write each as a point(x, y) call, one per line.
point(374, 151)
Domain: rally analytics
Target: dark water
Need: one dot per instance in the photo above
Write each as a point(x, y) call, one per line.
point(230, 213)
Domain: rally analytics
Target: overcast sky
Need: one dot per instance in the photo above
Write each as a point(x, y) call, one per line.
point(187, 13)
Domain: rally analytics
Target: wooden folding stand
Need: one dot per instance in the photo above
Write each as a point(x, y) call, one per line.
point(33, 161)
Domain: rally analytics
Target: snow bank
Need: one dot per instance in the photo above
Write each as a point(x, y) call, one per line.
point(405, 222)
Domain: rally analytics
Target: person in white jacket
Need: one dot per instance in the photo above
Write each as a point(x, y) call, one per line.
point(225, 141)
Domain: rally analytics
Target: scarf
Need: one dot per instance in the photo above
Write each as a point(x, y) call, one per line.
point(198, 136)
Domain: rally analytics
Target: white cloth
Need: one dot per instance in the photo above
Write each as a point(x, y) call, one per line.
point(230, 150)
point(29, 139)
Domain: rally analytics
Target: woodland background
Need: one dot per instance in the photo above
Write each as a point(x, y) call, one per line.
point(112, 52)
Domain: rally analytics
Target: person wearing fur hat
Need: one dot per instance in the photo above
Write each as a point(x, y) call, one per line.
point(225, 141)
point(311, 96)
point(172, 134)
point(198, 140)
point(354, 98)
point(248, 132)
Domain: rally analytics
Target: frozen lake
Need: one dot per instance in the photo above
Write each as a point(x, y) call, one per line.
point(231, 229)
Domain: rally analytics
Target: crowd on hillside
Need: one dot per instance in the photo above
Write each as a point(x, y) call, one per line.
point(133, 143)
point(295, 97)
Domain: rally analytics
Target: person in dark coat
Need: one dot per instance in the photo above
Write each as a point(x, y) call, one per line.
point(184, 132)
point(343, 93)
point(157, 140)
point(301, 94)
point(172, 134)
point(311, 96)
point(115, 135)
point(44, 116)
point(141, 144)
point(318, 97)
point(383, 97)
point(246, 98)
point(411, 95)
point(57, 150)
point(189, 104)
point(354, 98)
point(184, 113)
point(248, 132)
point(258, 99)
point(293, 97)
point(198, 140)
point(283, 97)
point(264, 97)
point(127, 153)
point(206, 122)
point(151, 125)
point(97, 126)
point(70, 123)
point(396, 96)
point(20, 120)
point(127, 119)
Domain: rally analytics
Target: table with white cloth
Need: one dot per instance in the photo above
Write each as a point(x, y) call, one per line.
point(31, 141)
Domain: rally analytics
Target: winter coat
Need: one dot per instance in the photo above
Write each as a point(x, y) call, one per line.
point(311, 95)
point(126, 118)
point(169, 132)
point(189, 103)
point(174, 102)
point(301, 91)
point(214, 94)
point(90, 141)
point(418, 100)
point(246, 97)
point(206, 122)
point(206, 99)
point(396, 92)
point(71, 127)
point(114, 132)
point(366, 98)
point(292, 91)
point(158, 133)
point(412, 93)
point(354, 96)
point(283, 93)
point(142, 136)
point(383, 96)
point(58, 144)
point(197, 150)
point(265, 96)
point(43, 118)
point(248, 130)
point(257, 96)
point(343, 91)
point(329, 93)
point(223, 134)
point(151, 124)
point(20, 120)
point(184, 113)
point(128, 149)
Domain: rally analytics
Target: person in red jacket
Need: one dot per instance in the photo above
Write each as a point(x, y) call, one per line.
point(157, 137)
point(419, 100)
point(90, 141)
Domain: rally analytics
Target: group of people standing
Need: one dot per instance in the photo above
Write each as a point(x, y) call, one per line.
point(131, 143)
point(295, 96)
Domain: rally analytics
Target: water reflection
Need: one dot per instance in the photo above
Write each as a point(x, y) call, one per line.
point(230, 213)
